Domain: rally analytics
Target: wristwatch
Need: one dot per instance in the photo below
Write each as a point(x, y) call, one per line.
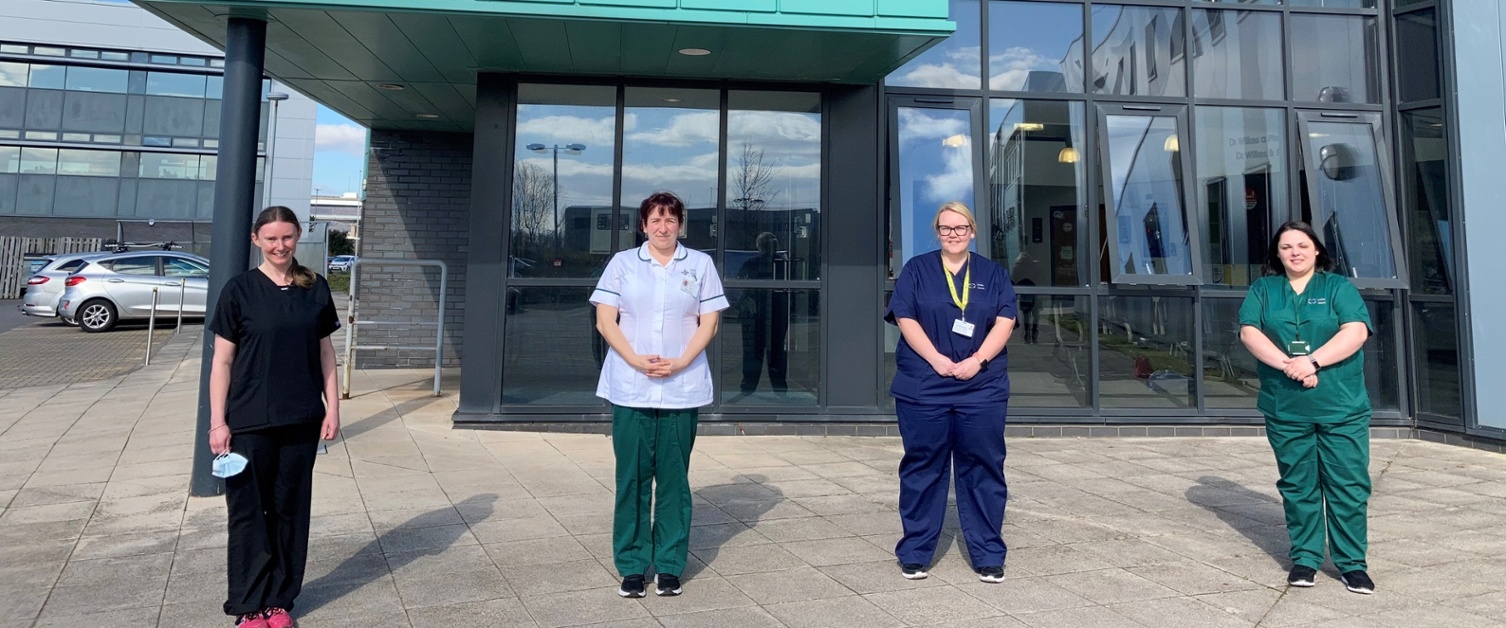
point(982, 363)
point(1314, 360)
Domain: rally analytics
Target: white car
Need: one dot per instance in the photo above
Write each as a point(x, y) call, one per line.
point(119, 286)
point(45, 288)
point(341, 263)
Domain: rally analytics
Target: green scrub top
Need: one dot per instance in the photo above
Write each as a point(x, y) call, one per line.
point(1315, 316)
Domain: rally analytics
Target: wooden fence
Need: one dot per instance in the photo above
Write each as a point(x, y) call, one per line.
point(14, 268)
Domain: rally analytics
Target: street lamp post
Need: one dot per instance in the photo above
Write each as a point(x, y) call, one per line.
point(573, 149)
point(266, 183)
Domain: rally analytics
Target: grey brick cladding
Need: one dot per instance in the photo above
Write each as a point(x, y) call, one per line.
point(418, 186)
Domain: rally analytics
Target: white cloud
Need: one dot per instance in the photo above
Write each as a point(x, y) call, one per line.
point(342, 138)
point(565, 129)
point(684, 129)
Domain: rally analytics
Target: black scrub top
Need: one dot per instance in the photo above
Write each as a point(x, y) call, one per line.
point(921, 294)
point(277, 378)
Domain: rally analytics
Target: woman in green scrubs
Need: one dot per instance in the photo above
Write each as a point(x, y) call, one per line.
point(1306, 326)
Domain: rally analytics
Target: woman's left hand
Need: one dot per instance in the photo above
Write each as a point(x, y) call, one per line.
point(331, 427)
point(1298, 367)
point(966, 369)
point(666, 367)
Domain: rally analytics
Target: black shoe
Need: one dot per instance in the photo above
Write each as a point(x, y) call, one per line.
point(1302, 576)
point(632, 586)
point(914, 571)
point(666, 585)
point(1358, 581)
point(992, 575)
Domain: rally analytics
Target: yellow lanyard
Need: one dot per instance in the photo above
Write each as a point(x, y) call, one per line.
point(967, 285)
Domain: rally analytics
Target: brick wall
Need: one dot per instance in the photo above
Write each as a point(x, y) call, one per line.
point(417, 207)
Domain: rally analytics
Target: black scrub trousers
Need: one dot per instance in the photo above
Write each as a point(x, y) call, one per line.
point(275, 410)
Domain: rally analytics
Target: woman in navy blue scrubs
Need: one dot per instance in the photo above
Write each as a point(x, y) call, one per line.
point(955, 311)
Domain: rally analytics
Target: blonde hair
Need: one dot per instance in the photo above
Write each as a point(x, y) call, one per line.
point(956, 207)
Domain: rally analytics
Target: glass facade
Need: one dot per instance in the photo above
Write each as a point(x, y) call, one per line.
point(107, 134)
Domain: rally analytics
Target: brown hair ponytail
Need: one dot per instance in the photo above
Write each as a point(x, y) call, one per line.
point(301, 275)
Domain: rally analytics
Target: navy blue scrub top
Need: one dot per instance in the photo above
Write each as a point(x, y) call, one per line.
point(921, 294)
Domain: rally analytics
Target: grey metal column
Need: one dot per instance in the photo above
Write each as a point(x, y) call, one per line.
point(855, 249)
point(234, 195)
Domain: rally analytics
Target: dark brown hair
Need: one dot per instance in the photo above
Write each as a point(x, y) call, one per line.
point(302, 276)
point(1273, 265)
point(661, 201)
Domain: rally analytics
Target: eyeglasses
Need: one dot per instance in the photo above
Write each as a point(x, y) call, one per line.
point(961, 230)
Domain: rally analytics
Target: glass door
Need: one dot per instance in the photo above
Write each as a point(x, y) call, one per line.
point(1150, 239)
point(933, 159)
point(1348, 201)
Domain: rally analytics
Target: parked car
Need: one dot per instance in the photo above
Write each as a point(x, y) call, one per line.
point(119, 286)
point(341, 263)
point(45, 288)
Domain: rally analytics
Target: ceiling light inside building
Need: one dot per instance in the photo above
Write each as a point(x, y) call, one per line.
point(428, 116)
point(391, 87)
point(694, 52)
point(1029, 126)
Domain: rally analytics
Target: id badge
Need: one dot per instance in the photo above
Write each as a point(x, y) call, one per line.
point(690, 286)
point(962, 328)
point(1298, 347)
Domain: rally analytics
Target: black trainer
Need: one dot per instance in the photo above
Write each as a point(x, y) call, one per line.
point(992, 575)
point(632, 586)
point(1358, 581)
point(666, 585)
point(914, 571)
point(1302, 576)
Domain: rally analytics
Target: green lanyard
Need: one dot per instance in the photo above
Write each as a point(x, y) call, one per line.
point(967, 285)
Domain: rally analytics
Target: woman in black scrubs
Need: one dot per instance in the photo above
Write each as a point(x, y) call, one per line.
point(273, 394)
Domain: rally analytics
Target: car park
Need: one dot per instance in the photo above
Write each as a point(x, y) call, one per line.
point(341, 263)
point(112, 288)
point(45, 287)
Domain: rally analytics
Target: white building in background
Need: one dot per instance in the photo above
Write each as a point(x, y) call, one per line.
point(109, 124)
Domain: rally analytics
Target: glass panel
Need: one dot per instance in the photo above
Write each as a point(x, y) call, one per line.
point(1343, 177)
point(1334, 58)
point(544, 324)
point(1230, 379)
point(175, 84)
point(135, 266)
point(84, 54)
point(1035, 47)
point(173, 117)
point(1242, 188)
point(1036, 186)
point(169, 166)
point(179, 267)
point(1271, 2)
point(10, 159)
point(953, 63)
point(670, 145)
point(49, 51)
point(566, 138)
point(1334, 4)
point(773, 186)
point(1382, 379)
point(935, 166)
point(1237, 54)
point(1435, 343)
point(13, 74)
point(208, 167)
point(86, 79)
point(47, 76)
point(39, 161)
point(1417, 55)
point(115, 56)
point(1138, 51)
point(215, 87)
point(100, 113)
point(1050, 365)
point(771, 348)
point(1145, 352)
point(1424, 172)
point(1144, 172)
point(94, 163)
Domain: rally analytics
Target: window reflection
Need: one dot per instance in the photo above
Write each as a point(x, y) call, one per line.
point(1346, 198)
point(1145, 352)
point(1138, 51)
point(1334, 4)
point(1036, 178)
point(935, 166)
point(1417, 55)
point(86, 79)
point(1435, 343)
point(1241, 187)
point(670, 143)
point(93, 163)
point(1146, 223)
point(1424, 171)
point(1035, 47)
point(562, 181)
point(1334, 58)
point(954, 63)
point(567, 319)
point(1050, 365)
point(39, 160)
point(1230, 379)
point(773, 186)
point(771, 347)
point(1237, 54)
point(12, 74)
point(175, 84)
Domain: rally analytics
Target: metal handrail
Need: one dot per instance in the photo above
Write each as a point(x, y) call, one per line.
point(351, 347)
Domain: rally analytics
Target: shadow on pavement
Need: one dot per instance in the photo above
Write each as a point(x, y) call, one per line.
point(358, 571)
point(743, 501)
point(1214, 494)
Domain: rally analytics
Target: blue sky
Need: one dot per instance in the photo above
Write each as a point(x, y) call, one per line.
point(339, 154)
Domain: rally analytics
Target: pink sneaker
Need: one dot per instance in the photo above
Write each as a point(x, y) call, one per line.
point(278, 618)
point(250, 620)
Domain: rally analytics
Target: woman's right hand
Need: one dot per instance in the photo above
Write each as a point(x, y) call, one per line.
point(646, 364)
point(943, 366)
point(219, 440)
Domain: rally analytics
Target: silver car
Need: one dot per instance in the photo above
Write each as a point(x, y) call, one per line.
point(45, 288)
point(115, 287)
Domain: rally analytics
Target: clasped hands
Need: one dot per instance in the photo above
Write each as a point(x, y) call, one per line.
point(655, 366)
point(1300, 368)
point(964, 370)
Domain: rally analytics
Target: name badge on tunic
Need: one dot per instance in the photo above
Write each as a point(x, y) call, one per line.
point(962, 328)
point(689, 283)
point(1298, 347)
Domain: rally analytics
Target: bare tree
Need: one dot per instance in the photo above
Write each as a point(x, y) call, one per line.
point(532, 198)
point(754, 179)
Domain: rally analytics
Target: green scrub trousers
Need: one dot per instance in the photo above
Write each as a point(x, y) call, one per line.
point(1324, 464)
point(653, 464)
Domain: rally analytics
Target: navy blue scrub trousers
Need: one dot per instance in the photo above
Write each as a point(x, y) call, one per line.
point(938, 438)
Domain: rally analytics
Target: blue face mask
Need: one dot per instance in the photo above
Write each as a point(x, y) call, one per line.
point(228, 464)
